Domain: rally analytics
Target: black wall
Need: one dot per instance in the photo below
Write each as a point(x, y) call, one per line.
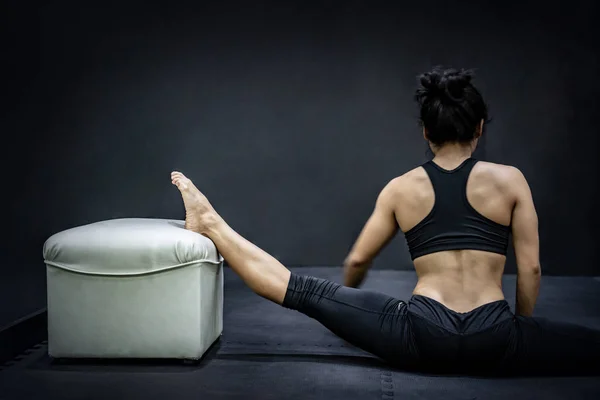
point(290, 116)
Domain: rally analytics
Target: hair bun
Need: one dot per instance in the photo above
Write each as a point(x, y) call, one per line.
point(449, 83)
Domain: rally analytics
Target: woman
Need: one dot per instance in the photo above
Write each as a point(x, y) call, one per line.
point(457, 215)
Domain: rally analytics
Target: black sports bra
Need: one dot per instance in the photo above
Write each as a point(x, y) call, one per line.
point(453, 224)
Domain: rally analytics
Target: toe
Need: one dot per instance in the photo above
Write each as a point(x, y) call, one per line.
point(180, 180)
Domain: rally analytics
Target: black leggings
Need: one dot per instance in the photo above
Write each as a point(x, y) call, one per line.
point(425, 335)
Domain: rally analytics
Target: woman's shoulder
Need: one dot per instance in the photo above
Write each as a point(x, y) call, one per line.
point(504, 176)
point(497, 170)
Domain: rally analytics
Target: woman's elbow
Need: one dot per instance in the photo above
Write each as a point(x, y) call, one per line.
point(356, 261)
point(531, 269)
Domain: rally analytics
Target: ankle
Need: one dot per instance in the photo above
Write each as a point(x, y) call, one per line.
point(212, 224)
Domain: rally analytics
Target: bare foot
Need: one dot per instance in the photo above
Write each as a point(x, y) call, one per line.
point(199, 213)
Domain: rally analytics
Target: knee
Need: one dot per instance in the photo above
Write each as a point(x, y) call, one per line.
point(305, 290)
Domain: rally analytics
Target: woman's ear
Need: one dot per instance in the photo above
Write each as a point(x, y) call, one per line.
point(479, 131)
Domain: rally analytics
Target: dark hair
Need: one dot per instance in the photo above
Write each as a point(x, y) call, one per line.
point(451, 108)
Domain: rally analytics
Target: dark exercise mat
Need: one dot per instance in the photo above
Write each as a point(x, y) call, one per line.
point(276, 377)
point(408, 386)
point(221, 379)
point(268, 352)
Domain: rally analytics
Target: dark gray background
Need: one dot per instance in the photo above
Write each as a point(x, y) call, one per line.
point(289, 115)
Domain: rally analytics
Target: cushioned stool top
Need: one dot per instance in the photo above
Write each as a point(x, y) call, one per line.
point(129, 246)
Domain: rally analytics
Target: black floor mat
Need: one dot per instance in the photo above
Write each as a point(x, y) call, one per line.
point(268, 352)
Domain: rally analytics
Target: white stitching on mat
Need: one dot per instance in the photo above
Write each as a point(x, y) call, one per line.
point(287, 344)
point(387, 386)
point(21, 356)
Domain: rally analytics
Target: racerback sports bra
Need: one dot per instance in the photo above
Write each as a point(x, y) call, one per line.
point(453, 224)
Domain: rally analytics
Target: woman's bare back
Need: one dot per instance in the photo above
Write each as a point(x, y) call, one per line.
point(460, 279)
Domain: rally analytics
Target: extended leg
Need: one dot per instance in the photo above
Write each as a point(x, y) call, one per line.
point(369, 320)
point(260, 271)
point(548, 347)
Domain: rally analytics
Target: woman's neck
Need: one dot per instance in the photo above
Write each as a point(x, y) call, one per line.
point(452, 155)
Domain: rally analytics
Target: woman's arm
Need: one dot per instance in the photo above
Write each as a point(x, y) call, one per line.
point(527, 245)
point(377, 232)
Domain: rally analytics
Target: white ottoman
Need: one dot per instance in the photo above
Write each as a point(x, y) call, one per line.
point(133, 288)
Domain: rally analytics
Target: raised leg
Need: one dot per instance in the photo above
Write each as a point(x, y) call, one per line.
point(259, 270)
point(372, 321)
point(369, 320)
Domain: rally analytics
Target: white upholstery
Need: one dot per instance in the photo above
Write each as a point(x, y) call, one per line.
point(133, 288)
